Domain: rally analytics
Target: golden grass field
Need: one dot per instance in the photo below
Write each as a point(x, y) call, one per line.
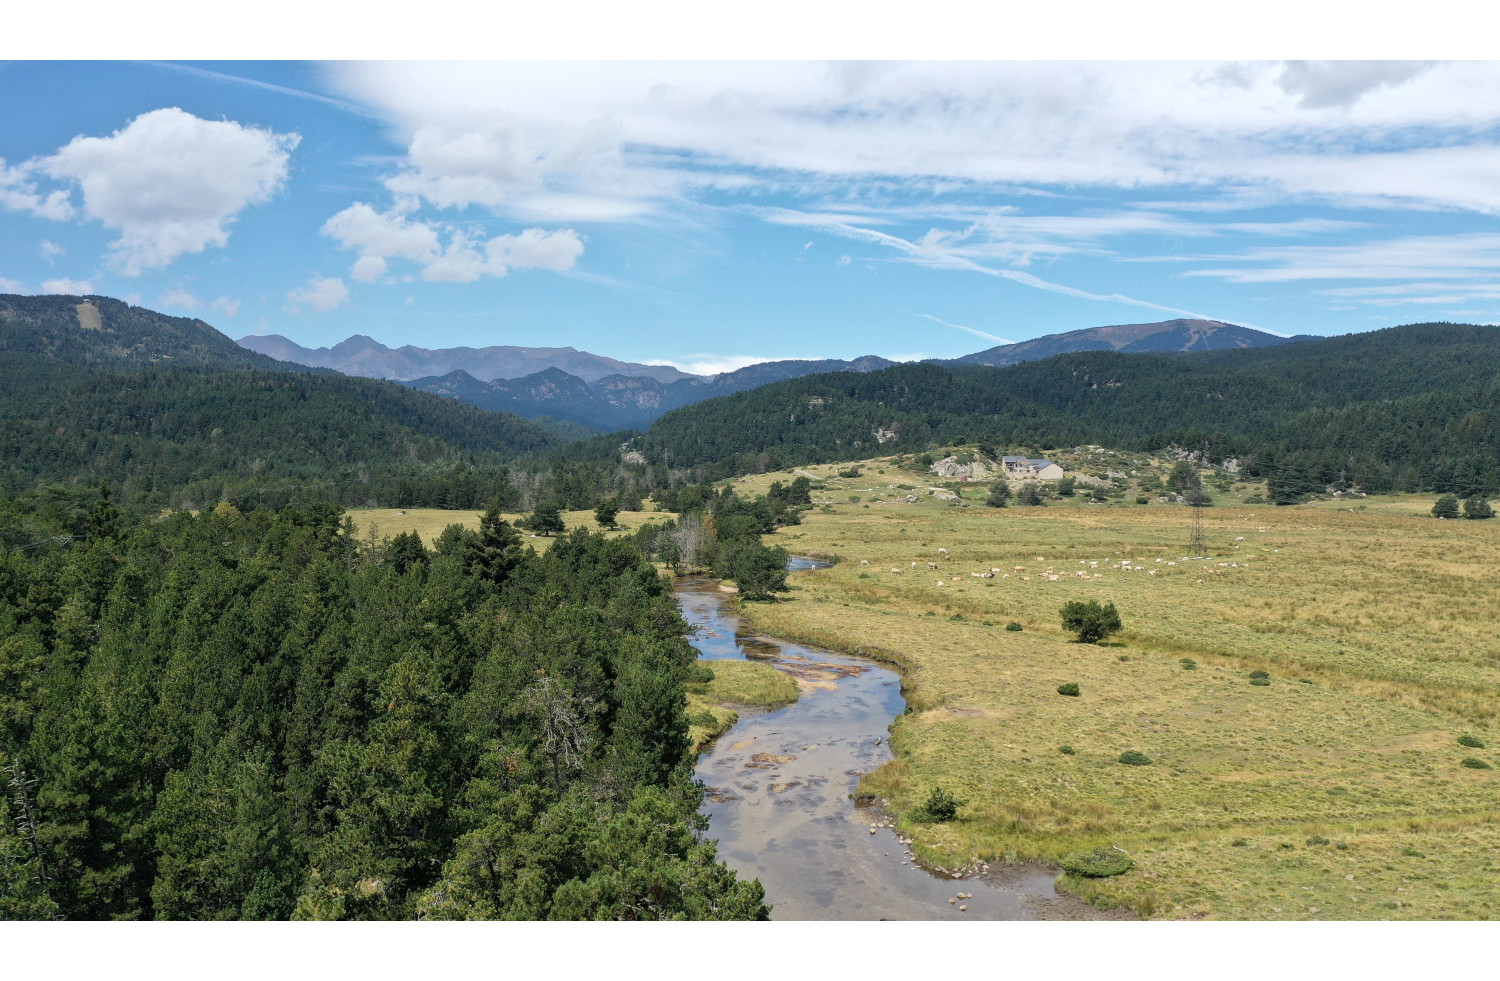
point(1377, 624)
point(430, 522)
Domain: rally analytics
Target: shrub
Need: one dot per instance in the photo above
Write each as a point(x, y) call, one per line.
point(1132, 757)
point(1478, 507)
point(1411, 852)
point(1143, 499)
point(1188, 664)
point(1473, 742)
point(1446, 507)
point(1474, 763)
point(1013, 626)
point(1260, 674)
point(1066, 750)
point(1098, 864)
point(940, 806)
point(999, 495)
point(1089, 620)
point(1071, 688)
point(704, 720)
point(698, 674)
point(1317, 840)
point(1239, 843)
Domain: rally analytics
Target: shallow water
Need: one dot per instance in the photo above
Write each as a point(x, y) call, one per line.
point(788, 818)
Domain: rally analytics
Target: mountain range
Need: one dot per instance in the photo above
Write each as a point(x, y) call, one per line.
point(605, 394)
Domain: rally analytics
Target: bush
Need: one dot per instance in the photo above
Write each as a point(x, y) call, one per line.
point(1143, 499)
point(1260, 674)
point(940, 806)
point(1317, 840)
point(1090, 621)
point(1477, 507)
point(1473, 742)
point(999, 495)
point(1066, 750)
point(1098, 864)
point(1013, 626)
point(1239, 843)
point(698, 674)
point(1411, 852)
point(1188, 664)
point(1446, 507)
point(1071, 688)
point(1475, 764)
point(1133, 757)
point(703, 720)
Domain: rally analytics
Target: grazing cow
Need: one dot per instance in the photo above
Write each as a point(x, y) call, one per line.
point(913, 565)
point(993, 569)
point(942, 551)
point(896, 572)
point(864, 561)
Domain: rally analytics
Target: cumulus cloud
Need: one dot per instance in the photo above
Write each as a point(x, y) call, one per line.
point(51, 250)
point(171, 183)
point(179, 298)
point(68, 287)
point(322, 294)
point(11, 285)
point(18, 192)
point(226, 306)
point(465, 256)
point(714, 364)
point(1324, 84)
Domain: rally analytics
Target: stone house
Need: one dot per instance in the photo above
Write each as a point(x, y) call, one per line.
point(1023, 468)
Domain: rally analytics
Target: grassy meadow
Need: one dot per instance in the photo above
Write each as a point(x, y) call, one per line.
point(734, 684)
point(1337, 790)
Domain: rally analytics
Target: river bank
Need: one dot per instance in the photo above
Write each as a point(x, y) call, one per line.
point(782, 785)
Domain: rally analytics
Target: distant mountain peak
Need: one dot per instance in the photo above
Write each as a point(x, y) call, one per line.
point(1180, 334)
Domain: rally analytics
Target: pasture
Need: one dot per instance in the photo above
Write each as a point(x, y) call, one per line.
point(1334, 790)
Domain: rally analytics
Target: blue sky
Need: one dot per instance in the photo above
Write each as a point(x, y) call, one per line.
point(714, 214)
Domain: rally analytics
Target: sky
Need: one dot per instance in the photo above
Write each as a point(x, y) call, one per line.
point(710, 214)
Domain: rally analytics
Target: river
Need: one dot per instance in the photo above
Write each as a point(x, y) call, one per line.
point(781, 784)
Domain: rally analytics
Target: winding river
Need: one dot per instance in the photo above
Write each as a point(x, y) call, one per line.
point(780, 786)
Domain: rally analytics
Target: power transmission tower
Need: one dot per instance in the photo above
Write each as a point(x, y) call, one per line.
point(1197, 547)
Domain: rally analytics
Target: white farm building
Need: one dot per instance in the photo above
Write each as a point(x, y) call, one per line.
point(1031, 469)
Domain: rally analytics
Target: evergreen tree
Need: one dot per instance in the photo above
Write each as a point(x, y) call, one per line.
point(1092, 622)
point(545, 520)
point(760, 572)
point(999, 494)
point(1477, 507)
point(607, 510)
point(496, 552)
point(1446, 507)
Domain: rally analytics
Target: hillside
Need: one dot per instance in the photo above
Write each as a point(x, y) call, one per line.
point(366, 357)
point(1164, 337)
point(1406, 407)
point(175, 414)
point(620, 401)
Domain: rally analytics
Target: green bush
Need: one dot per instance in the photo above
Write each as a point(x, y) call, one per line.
point(1132, 757)
point(698, 674)
point(1092, 622)
point(1066, 750)
point(1317, 840)
point(1098, 864)
point(1478, 507)
point(703, 720)
point(1143, 499)
point(1473, 742)
point(1260, 674)
point(1013, 626)
point(1070, 688)
point(1239, 843)
point(1188, 664)
point(1446, 507)
point(1411, 852)
point(940, 806)
point(1475, 764)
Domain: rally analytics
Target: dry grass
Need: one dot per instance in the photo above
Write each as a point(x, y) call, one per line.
point(1390, 615)
point(430, 522)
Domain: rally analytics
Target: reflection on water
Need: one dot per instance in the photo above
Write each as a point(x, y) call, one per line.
point(780, 786)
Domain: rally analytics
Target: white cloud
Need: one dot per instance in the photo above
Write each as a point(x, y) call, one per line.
point(51, 250)
point(68, 287)
point(1473, 256)
point(11, 285)
point(18, 192)
point(644, 133)
point(171, 183)
point(971, 330)
point(1321, 84)
point(379, 236)
point(844, 260)
point(714, 364)
point(179, 298)
point(322, 294)
point(226, 306)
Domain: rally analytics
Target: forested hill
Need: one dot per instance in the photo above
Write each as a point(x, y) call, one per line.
point(1409, 406)
point(176, 414)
